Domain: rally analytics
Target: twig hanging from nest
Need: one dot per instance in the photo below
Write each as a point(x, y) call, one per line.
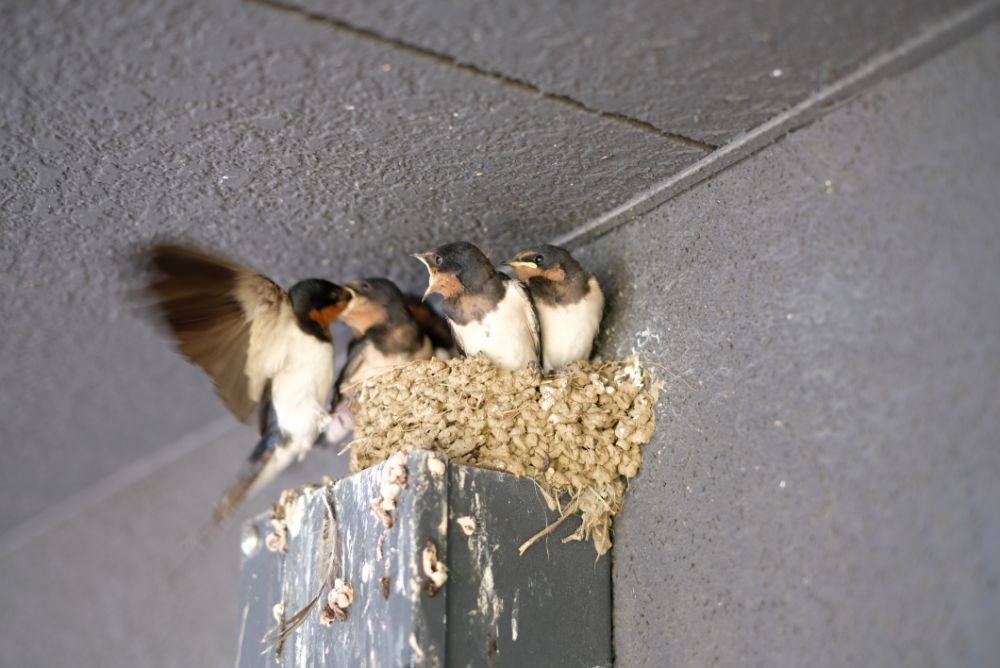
point(570, 509)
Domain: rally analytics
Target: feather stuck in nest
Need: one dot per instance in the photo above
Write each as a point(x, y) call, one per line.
point(576, 432)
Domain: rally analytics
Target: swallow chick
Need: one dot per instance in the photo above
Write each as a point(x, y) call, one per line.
point(569, 302)
point(387, 334)
point(265, 350)
point(389, 331)
point(489, 312)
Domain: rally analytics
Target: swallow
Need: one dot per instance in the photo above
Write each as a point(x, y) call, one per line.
point(569, 302)
point(489, 312)
point(266, 350)
point(387, 334)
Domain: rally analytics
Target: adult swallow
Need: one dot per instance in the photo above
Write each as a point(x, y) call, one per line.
point(489, 312)
point(569, 302)
point(265, 350)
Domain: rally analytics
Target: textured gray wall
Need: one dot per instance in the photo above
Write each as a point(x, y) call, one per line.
point(826, 491)
point(253, 131)
point(703, 70)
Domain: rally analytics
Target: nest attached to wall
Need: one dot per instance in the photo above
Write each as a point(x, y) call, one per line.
point(577, 432)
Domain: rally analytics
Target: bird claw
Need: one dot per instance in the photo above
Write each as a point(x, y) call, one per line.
point(323, 418)
point(340, 427)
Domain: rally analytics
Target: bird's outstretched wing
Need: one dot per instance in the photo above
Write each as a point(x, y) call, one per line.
point(227, 319)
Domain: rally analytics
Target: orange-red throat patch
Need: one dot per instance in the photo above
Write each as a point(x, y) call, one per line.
point(446, 285)
point(555, 275)
point(363, 314)
point(325, 316)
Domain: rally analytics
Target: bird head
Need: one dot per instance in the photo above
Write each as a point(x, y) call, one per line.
point(319, 300)
point(454, 269)
point(546, 261)
point(374, 301)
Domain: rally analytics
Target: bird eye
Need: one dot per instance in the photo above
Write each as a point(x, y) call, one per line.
point(365, 287)
point(438, 260)
point(539, 259)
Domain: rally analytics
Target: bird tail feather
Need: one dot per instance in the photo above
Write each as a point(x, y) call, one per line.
point(264, 464)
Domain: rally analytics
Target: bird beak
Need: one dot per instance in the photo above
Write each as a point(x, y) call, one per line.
point(430, 290)
point(351, 298)
point(521, 263)
point(345, 294)
point(431, 274)
point(423, 258)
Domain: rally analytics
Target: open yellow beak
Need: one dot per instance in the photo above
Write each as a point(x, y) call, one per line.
point(431, 275)
point(353, 300)
point(521, 263)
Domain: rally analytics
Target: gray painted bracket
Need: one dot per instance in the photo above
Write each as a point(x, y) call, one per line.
point(551, 606)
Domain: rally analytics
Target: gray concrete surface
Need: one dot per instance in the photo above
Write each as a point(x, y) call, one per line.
point(826, 491)
point(127, 583)
point(252, 131)
point(259, 131)
point(703, 70)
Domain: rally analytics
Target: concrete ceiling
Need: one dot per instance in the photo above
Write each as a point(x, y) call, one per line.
point(331, 147)
point(703, 70)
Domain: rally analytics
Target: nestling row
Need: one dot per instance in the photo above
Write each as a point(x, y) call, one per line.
point(271, 352)
point(492, 314)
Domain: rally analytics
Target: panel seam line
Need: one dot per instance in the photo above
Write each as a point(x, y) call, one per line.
point(474, 70)
point(76, 504)
point(909, 54)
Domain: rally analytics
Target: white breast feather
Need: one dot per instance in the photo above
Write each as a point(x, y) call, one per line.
point(371, 363)
point(301, 386)
point(375, 363)
point(568, 332)
point(507, 335)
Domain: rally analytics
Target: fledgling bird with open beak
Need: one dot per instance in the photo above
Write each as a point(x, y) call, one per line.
point(389, 332)
point(489, 312)
point(265, 350)
point(568, 300)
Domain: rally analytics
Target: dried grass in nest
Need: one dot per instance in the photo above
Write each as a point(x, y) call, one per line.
point(577, 432)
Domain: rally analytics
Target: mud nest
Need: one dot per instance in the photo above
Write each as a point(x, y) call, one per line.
point(577, 433)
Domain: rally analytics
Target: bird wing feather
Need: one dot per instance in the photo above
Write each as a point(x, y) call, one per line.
point(457, 337)
point(227, 319)
point(530, 317)
point(345, 379)
point(432, 324)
